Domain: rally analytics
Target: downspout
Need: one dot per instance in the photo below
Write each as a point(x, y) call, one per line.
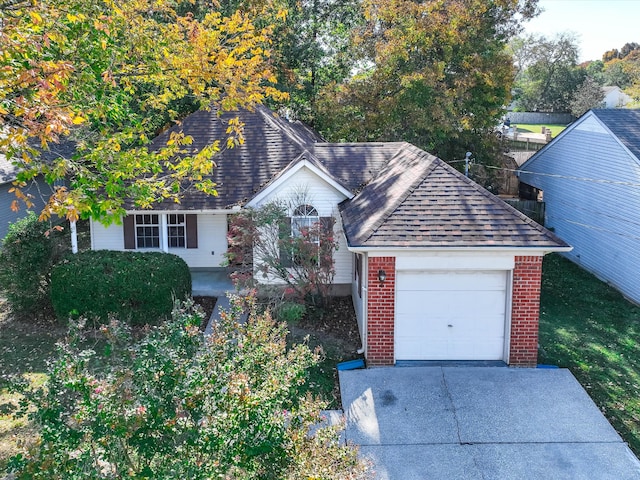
point(365, 302)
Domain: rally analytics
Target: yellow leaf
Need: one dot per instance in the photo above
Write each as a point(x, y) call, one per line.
point(72, 18)
point(103, 44)
point(3, 111)
point(78, 120)
point(35, 18)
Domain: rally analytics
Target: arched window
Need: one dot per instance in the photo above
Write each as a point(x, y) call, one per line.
point(303, 218)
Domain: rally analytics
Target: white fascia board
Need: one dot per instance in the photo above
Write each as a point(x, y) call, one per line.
point(269, 189)
point(386, 251)
point(204, 211)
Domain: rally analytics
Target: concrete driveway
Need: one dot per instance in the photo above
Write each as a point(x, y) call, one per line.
point(480, 423)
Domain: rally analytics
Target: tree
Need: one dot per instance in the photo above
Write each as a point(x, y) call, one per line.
point(589, 95)
point(108, 75)
point(267, 243)
point(175, 405)
point(551, 74)
point(432, 73)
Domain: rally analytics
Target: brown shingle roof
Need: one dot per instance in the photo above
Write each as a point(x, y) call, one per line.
point(420, 201)
point(271, 145)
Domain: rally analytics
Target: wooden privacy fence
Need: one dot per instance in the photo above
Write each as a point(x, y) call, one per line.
point(531, 208)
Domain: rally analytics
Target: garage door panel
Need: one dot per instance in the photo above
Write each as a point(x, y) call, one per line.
point(443, 281)
point(452, 304)
point(450, 315)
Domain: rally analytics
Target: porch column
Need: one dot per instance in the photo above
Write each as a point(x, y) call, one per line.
point(164, 237)
point(74, 237)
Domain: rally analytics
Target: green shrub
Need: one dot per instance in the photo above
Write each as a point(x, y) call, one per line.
point(138, 287)
point(26, 257)
point(290, 312)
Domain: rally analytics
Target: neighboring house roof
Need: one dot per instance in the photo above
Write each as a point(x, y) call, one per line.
point(420, 201)
point(624, 124)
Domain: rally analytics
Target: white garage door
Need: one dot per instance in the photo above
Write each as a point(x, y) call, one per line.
point(450, 315)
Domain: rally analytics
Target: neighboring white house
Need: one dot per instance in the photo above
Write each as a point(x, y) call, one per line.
point(439, 268)
point(614, 97)
point(590, 180)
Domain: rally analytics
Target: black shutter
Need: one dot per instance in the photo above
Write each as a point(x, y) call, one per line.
point(129, 228)
point(192, 230)
point(284, 242)
point(326, 224)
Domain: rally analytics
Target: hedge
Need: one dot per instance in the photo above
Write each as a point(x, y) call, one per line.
point(26, 256)
point(136, 287)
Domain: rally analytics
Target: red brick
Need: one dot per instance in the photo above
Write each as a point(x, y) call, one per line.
point(525, 311)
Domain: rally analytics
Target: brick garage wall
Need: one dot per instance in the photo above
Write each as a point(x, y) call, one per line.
point(525, 311)
point(381, 312)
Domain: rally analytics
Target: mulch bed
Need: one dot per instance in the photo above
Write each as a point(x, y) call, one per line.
point(338, 320)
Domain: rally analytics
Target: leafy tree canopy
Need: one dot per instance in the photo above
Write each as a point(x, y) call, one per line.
point(548, 73)
point(433, 73)
point(108, 75)
point(589, 95)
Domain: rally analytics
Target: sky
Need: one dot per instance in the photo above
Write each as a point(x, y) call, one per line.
point(600, 25)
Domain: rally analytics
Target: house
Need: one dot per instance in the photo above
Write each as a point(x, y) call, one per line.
point(438, 268)
point(38, 190)
point(589, 179)
point(7, 215)
point(614, 97)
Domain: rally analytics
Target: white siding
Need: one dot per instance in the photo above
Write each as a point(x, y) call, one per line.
point(106, 238)
point(212, 241)
point(325, 199)
point(599, 214)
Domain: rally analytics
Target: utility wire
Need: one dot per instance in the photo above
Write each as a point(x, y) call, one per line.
point(567, 177)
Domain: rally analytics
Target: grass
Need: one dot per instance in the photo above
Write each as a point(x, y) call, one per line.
point(590, 328)
point(533, 128)
point(24, 350)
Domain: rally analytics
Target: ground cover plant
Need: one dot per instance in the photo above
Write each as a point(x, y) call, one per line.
point(590, 328)
point(169, 405)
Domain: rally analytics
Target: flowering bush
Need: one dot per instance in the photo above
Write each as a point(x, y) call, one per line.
point(175, 405)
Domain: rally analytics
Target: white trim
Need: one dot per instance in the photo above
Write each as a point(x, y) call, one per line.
point(520, 251)
point(270, 188)
point(509, 307)
point(456, 262)
point(91, 235)
point(164, 237)
point(365, 305)
point(225, 211)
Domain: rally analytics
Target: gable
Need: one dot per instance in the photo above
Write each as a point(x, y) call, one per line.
point(307, 184)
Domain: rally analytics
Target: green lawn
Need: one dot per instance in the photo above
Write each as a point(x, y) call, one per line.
point(526, 128)
point(588, 327)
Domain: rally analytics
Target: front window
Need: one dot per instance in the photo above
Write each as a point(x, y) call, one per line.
point(304, 217)
point(176, 230)
point(147, 231)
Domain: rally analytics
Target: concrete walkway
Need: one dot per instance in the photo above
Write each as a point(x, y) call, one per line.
point(487, 423)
